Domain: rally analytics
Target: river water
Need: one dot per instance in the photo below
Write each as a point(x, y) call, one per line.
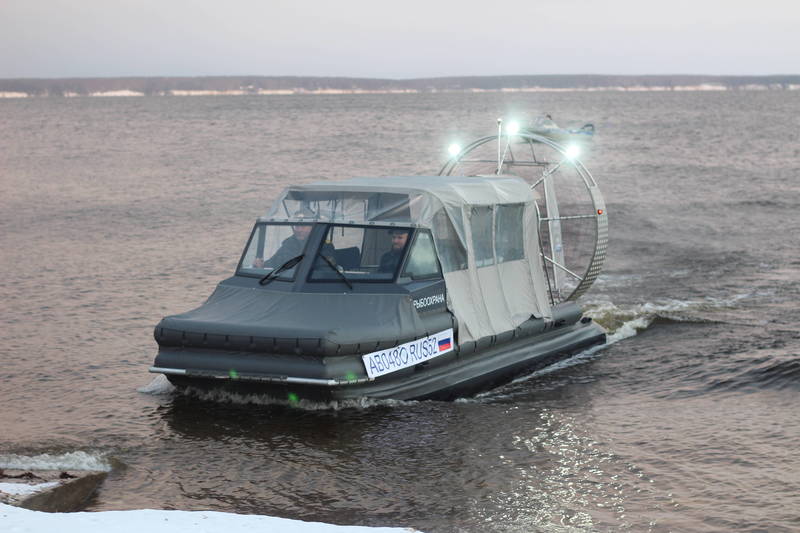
point(117, 211)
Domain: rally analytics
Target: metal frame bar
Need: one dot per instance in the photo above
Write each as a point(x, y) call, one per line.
point(567, 217)
point(258, 377)
point(562, 267)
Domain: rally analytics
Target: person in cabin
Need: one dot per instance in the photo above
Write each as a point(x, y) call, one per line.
point(293, 245)
point(391, 259)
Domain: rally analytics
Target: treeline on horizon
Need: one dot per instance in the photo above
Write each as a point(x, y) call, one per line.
point(164, 85)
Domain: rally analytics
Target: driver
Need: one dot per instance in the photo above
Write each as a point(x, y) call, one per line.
point(293, 245)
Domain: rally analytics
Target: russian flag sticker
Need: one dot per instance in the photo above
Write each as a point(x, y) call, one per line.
point(444, 344)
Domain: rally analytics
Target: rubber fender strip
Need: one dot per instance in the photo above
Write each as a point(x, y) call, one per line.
point(257, 377)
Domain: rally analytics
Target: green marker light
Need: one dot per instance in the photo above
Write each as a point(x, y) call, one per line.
point(293, 398)
point(233, 373)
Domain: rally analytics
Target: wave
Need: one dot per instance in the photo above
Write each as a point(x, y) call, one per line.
point(766, 203)
point(777, 374)
point(774, 372)
point(77, 460)
point(625, 321)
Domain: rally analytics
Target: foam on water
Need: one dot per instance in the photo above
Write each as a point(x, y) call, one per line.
point(624, 321)
point(78, 460)
point(160, 385)
point(223, 396)
point(628, 329)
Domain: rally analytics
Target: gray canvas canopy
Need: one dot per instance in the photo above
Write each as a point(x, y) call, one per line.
point(485, 231)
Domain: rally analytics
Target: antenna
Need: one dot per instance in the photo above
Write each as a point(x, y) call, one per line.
point(499, 140)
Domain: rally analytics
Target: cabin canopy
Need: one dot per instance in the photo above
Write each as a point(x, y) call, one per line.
point(485, 230)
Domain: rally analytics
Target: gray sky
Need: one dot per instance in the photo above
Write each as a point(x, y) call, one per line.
point(403, 39)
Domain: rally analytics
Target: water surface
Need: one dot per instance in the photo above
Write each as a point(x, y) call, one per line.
point(117, 211)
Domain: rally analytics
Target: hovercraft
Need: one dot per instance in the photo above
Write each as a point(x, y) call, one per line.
point(407, 287)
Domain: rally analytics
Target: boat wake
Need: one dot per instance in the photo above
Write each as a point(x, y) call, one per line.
point(78, 460)
point(160, 386)
point(624, 321)
point(222, 396)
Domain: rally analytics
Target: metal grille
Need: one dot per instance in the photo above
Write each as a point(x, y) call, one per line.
point(573, 223)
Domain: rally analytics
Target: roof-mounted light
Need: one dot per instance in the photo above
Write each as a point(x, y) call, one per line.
point(454, 149)
point(572, 151)
point(512, 128)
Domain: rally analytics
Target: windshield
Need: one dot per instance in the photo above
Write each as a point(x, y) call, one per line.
point(272, 246)
point(361, 253)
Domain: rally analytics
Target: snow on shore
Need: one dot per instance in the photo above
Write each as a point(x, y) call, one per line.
point(23, 489)
point(17, 520)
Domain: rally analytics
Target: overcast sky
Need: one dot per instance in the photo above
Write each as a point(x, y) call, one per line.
point(402, 39)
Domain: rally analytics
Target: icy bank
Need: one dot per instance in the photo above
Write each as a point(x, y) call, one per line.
point(17, 520)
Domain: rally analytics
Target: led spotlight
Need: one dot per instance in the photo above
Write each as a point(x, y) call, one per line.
point(512, 128)
point(454, 149)
point(572, 151)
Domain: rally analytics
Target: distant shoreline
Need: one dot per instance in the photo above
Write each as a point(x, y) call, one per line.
point(287, 85)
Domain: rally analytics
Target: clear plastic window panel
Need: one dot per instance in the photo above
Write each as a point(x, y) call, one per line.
point(422, 262)
point(361, 254)
point(351, 207)
point(271, 246)
point(452, 254)
point(509, 245)
point(482, 242)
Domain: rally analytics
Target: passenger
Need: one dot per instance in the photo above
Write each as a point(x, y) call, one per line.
point(391, 259)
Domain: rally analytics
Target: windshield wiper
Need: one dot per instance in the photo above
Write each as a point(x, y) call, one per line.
point(287, 265)
point(333, 267)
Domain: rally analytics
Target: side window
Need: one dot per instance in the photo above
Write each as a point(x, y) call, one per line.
point(508, 233)
point(481, 225)
point(422, 261)
point(452, 254)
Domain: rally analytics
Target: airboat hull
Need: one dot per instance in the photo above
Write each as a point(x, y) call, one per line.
point(461, 372)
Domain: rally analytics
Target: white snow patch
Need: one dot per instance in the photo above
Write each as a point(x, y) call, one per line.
point(20, 489)
point(65, 461)
point(24, 521)
point(121, 92)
